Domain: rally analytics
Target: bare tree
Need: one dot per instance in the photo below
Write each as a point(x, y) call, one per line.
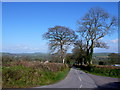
point(59, 38)
point(79, 52)
point(93, 26)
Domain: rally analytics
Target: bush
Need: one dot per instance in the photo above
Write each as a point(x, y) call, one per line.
point(24, 74)
point(104, 70)
point(107, 71)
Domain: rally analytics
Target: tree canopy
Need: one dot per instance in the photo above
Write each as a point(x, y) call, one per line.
point(59, 38)
point(96, 24)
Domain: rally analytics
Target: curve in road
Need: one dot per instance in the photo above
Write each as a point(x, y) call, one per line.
point(74, 79)
point(79, 79)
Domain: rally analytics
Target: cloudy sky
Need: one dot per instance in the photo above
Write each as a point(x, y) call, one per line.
point(24, 23)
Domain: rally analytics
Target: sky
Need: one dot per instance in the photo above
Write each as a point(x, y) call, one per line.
point(24, 23)
point(60, 1)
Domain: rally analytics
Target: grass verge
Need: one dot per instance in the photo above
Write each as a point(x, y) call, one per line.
point(20, 76)
point(102, 71)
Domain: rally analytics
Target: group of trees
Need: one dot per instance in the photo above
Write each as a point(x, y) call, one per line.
point(91, 28)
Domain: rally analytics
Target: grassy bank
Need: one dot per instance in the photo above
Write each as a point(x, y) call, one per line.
point(32, 74)
point(109, 71)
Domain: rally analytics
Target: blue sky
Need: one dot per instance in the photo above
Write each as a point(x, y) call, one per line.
point(24, 23)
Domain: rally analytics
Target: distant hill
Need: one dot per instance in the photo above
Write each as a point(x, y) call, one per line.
point(44, 56)
point(100, 54)
point(35, 55)
point(5, 54)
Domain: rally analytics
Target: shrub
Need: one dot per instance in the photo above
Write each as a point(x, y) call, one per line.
point(104, 70)
point(22, 74)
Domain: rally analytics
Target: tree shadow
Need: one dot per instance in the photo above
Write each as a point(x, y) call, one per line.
point(112, 85)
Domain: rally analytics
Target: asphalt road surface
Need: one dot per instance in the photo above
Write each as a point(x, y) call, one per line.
point(79, 79)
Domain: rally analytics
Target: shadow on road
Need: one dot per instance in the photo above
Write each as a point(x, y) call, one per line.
point(104, 82)
point(113, 85)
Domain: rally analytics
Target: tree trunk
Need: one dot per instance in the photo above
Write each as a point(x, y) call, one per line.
point(87, 53)
point(91, 52)
point(63, 60)
point(61, 48)
point(81, 61)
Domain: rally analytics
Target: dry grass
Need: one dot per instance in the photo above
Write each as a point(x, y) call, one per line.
point(107, 66)
point(24, 74)
point(37, 64)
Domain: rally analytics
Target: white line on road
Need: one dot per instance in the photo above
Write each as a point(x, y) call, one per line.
point(78, 76)
point(80, 86)
point(79, 79)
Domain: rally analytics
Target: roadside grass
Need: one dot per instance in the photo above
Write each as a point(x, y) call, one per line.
point(108, 71)
point(21, 76)
point(52, 78)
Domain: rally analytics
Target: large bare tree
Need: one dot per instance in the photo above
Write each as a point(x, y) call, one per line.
point(79, 52)
point(59, 38)
point(96, 24)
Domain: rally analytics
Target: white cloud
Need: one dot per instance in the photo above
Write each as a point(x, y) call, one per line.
point(114, 41)
point(113, 47)
point(109, 50)
point(20, 48)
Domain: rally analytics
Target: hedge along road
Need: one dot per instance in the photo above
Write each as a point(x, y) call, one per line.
point(79, 79)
